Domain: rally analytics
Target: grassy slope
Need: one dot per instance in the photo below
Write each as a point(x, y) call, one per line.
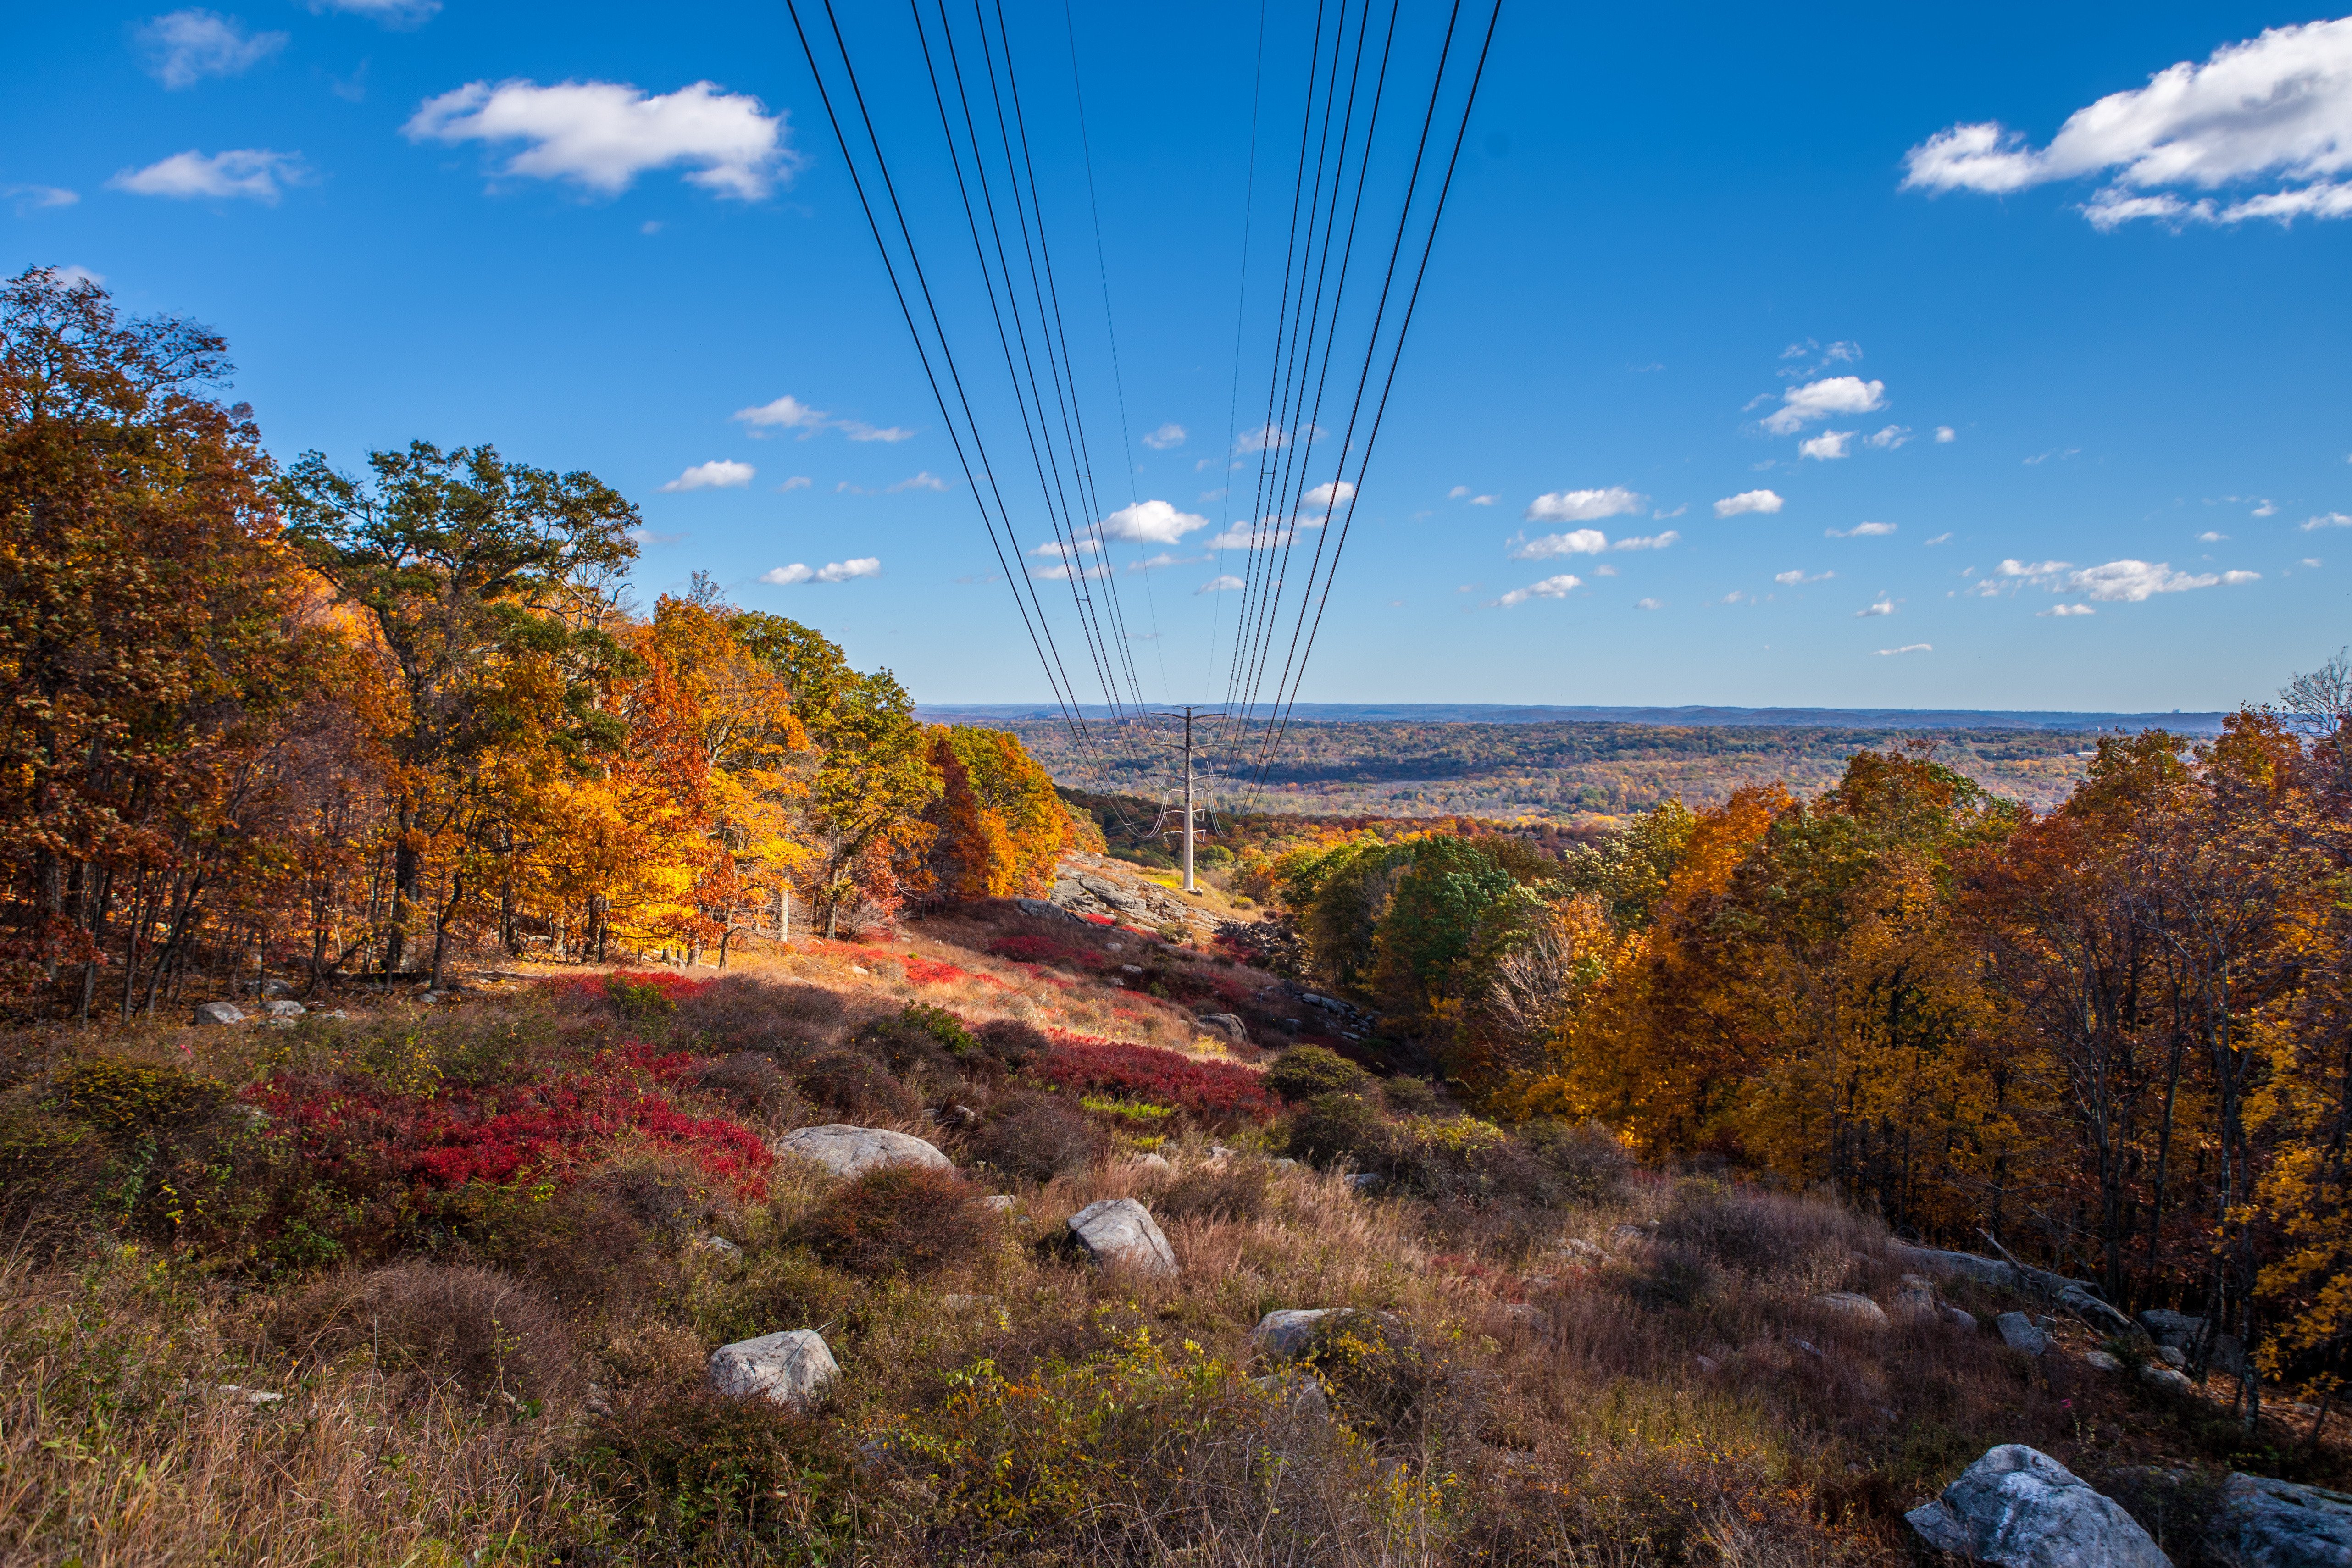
point(510, 1371)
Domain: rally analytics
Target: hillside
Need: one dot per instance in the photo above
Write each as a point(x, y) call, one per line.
point(457, 1263)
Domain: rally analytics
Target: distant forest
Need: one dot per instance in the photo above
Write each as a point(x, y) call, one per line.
point(1560, 771)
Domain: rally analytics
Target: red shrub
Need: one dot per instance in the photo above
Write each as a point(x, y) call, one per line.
point(1210, 1091)
point(937, 972)
point(1032, 950)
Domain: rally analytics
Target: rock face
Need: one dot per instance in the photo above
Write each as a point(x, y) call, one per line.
point(2022, 1509)
point(788, 1368)
point(1862, 1308)
point(1227, 1024)
point(2266, 1523)
point(1284, 1333)
point(1119, 1233)
point(284, 1009)
point(848, 1151)
point(1044, 909)
point(219, 1014)
point(2018, 1333)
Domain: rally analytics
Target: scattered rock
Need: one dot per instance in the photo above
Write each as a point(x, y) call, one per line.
point(276, 987)
point(1916, 1298)
point(1118, 1232)
point(1365, 1181)
point(2018, 1332)
point(1227, 1024)
point(2267, 1523)
point(1286, 1164)
point(2165, 1377)
point(1045, 909)
point(219, 1014)
point(1219, 1151)
point(848, 1151)
point(1962, 1318)
point(1708, 1363)
point(1583, 1252)
point(719, 1244)
point(282, 1008)
point(1624, 1234)
point(2173, 1355)
point(2022, 1509)
point(1153, 1162)
point(254, 1396)
point(1298, 1393)
point(2100, 1361)
point(1284, 1333)
point(790, 1368)
point(1862, 1308)
point(1002, 1202)
point(2167, 1327)
point(1809, 1348)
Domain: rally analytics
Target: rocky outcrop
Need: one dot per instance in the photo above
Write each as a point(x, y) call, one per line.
point(1861, 1308)
point(2267, 1523)
point(219, 1015)
point(848, 1151)
point(1119, 1233)
point(2022, 1509)
point(1226, 1024)
point(2020, 1333)
point(1098, 885)
point(1283, 1333)
point(790, 1368)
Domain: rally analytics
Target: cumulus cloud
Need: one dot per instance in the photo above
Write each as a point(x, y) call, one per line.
point(2067, 610)
point(1791, 579)
point(2278, 106)
point(1549, 588)
point(1828, 445)
point(1944, 432)
point(1323, 497)
point(2267, 510)
point(1456, 493)
point(833, 571)
point(32, 198)
point(1893, 436)
point(256, 174)
point(923, 479)
point(1272, 533)
point(603, 135)
point(1224, 584)
point(1584, 506)
point(1748, 501)
point(2117, 582)
point(1166, 436)
point(1881, 605)
point(1272, 438)
point(182, 48)
point(1649, 604)
point(2328, 520)
point(718, 474)
point(1906, 648)
point(789, 412)
point(1151, 523)
point(1581, 542)
point(2209, 537)
point(1815, 400)
point(1649, 542)
point(1860, 532)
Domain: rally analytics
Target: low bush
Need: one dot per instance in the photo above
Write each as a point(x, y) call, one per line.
point(436, 1327)
point(1409, 1096)
point(1229, 1188)
point(918, 1037)
point(751, 1082)
point(1799, 1243)
point(1589, 1162)
point(897, 1219)
point(1213, 1093)
point(1335, 1129)
point(694, 1475)
point(855, 1088)
point(1036, 1138)
point(1305, 1071)
point(1384, 1382)
point(1013, 1042)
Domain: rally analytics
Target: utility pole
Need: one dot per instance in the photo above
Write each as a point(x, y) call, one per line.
point(1189, 831)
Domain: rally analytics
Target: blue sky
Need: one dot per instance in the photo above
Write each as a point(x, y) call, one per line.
point(2104, 356)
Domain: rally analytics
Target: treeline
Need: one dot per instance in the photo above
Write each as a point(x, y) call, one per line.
point(2115, 1038)
point(331, 724)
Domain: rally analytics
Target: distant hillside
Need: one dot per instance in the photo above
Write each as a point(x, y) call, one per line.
point(1685, 717)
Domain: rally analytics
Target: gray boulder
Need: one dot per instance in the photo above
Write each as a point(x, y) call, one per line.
point(2267, 1523)
point(1045, 910)
point(790, 1368)
point(219, 1015)
point(2019, 1508)
point(283, 1008)
point(1156, 1163)
point(1284, 1333)
point(1119, 1233)
point(1227, 1024)
point(2166, 1326)
point(2166, 1378)
point(848, 1151)
point(1861, 1308)
point(1962, 1319)
point(1952, 1265)
point(2019, 1332)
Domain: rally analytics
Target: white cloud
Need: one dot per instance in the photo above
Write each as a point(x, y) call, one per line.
point(1748, 501)
point(2312, 561)
point(2063, 610)
point(1791, 579)
point(1906, 648)
point(1225, 584)
point(1271, 438)
point(1549, 588)
point(718, 474)
point(2234, 579)
point(1151, 522)
point(2117, 582)
point(391, 13)
point(254, 172)
point(1649, 542)
point(923, 479)
point(1582, 541)
point(833, 571)
point(1483, 500)
point(604, 135)
point(1802, 405)
point(1166, 436)
point(1605, 569)
point(787, 413)
point(1271, 534)
point(1584, 506)
point(2279, 105)
point(1938, 539)
point(2209, 537)
point(1860, 532)
point(182, 48)
point(1165, 558)
point(1063, 573)
point(2267, 510)
point(71, 276)
point(1456, 493)
point(797, 482)
point(1944, 432)
point(2328, 520)
point(1323, 497)
point(1649, 604)
point(858, 430)
point(1828, 445)
point(1661, 514)
point(32, 198)
point(1881, 605)
point(1893, 436)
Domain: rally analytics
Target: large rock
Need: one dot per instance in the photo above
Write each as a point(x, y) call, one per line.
point(2166, 1326)
point(219, 1014)
point(2266, 1523)
point(1227, 1024)
point(1285, 1333)
point(790, 1368)
point(1119, 1233)
point(2019, 1332)
point(2022, 1509)
point(1860, 1308)
point(1045, 909)
point(848, 1151)
point(284, 1008)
